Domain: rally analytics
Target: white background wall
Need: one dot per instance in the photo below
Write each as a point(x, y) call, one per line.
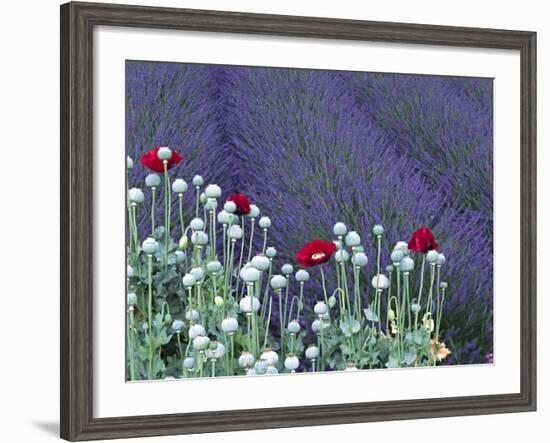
point(29, 266)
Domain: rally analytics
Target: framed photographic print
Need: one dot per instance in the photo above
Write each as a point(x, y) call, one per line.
point(272, 221)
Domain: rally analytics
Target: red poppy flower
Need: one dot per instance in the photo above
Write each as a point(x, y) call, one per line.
point(315, 253)
point(242, 203)
point(422, 241)
point(151, 160)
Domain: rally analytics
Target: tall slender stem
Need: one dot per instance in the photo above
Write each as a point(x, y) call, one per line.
point(150, 312)
point(182, 223)
point(420, 290)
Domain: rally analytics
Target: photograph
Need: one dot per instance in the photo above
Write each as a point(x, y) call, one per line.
point(284, 221)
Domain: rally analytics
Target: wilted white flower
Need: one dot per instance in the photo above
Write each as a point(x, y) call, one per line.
point(250, 274)
point(230, 325)
point(201, 342)
point(302, 276)
point(270, 357)
point(152, 181)
point(380, 281)
point(378, 230)
point(224, 217)
point(260, 262)
point(191, 315)
point(291, 362)
point(278, 282)
point(271, 252)
point(197, 181)
point(135, 195)
point(199, 238)
point(264, 223)
point(236, 233)
point(214, 266)
point(341, 256)
point(432, 256)
point(428, 322)
point(177, 325)
point(213, 191)
point(188, 280)
point(129, 163)
point(179, 186)
point(407, 264)
point(340, 229)
point(197, 224)
point(360, 259)
point(164, 153)
point(293, 327)
point(254, 212)
point(353, 239)
point(312, 352)
point(132, 298)
point(287, 269)
point(196, 330)
point(249, 304)
point(150, 246)
point(229, 207)
point(320, 308)
point(246, 360)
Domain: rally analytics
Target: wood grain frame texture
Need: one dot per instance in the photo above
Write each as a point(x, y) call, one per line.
point(77, 213)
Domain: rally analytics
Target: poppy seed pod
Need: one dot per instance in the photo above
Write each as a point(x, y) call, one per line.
point(211, 204)
point(224, 217)
point(316, 326)
point(188, 280)
point(197, 224)
point(351, 368)
point(180, 256)
point(214, 266)
point(249, 304)
point(260, 262)
point(293, 327)
point(152, 181)
point(189, 363)
point(251, 372)
point(406, 265)
point(390, 269)
point(198, 273)
point(312, 352)
point(341, 256)
point(353, 239)
point(302, 276)
point(378, 230)
point(229, 207)
point(150, 246)
point(132, 298)
point(215, 351)
point(320, 308)
point(164, 153)
point(340, 229)
point(271, 252)
point(198, 181)
point(260, 367)
point(236, 233)
point(380, 281)
point(213, 191)
point(441, 260)
point(250, 274)
point(254, 211)
point(199, 238)
point(287, 269)
point(432, 256)
point(272, 370)
point(443, 285)
point(191, 315)
point(264, 223)
point(177, 325)
point(201, 342)
point(415, 307)
point(129, 163)
point(246, 360)
point(179, 186)
point(270, 357)
point(196, 330)
point(402, 245)
point(278, 282)
point(135, 195)
point(396, 256)
point(291, 362)
point(129, 271)
point(230, 325)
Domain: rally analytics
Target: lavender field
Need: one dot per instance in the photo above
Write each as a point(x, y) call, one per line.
point(311, 148)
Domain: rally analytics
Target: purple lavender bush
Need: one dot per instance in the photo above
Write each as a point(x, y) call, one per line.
point(310, 148)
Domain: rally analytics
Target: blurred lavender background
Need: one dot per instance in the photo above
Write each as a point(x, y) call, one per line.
point(311, 147)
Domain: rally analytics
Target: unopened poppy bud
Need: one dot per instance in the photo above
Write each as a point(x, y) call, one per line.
point(218, 301)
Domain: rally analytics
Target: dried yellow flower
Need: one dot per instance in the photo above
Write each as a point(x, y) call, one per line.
point(439, 350)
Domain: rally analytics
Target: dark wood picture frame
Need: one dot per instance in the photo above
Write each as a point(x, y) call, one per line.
point(77, 23)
